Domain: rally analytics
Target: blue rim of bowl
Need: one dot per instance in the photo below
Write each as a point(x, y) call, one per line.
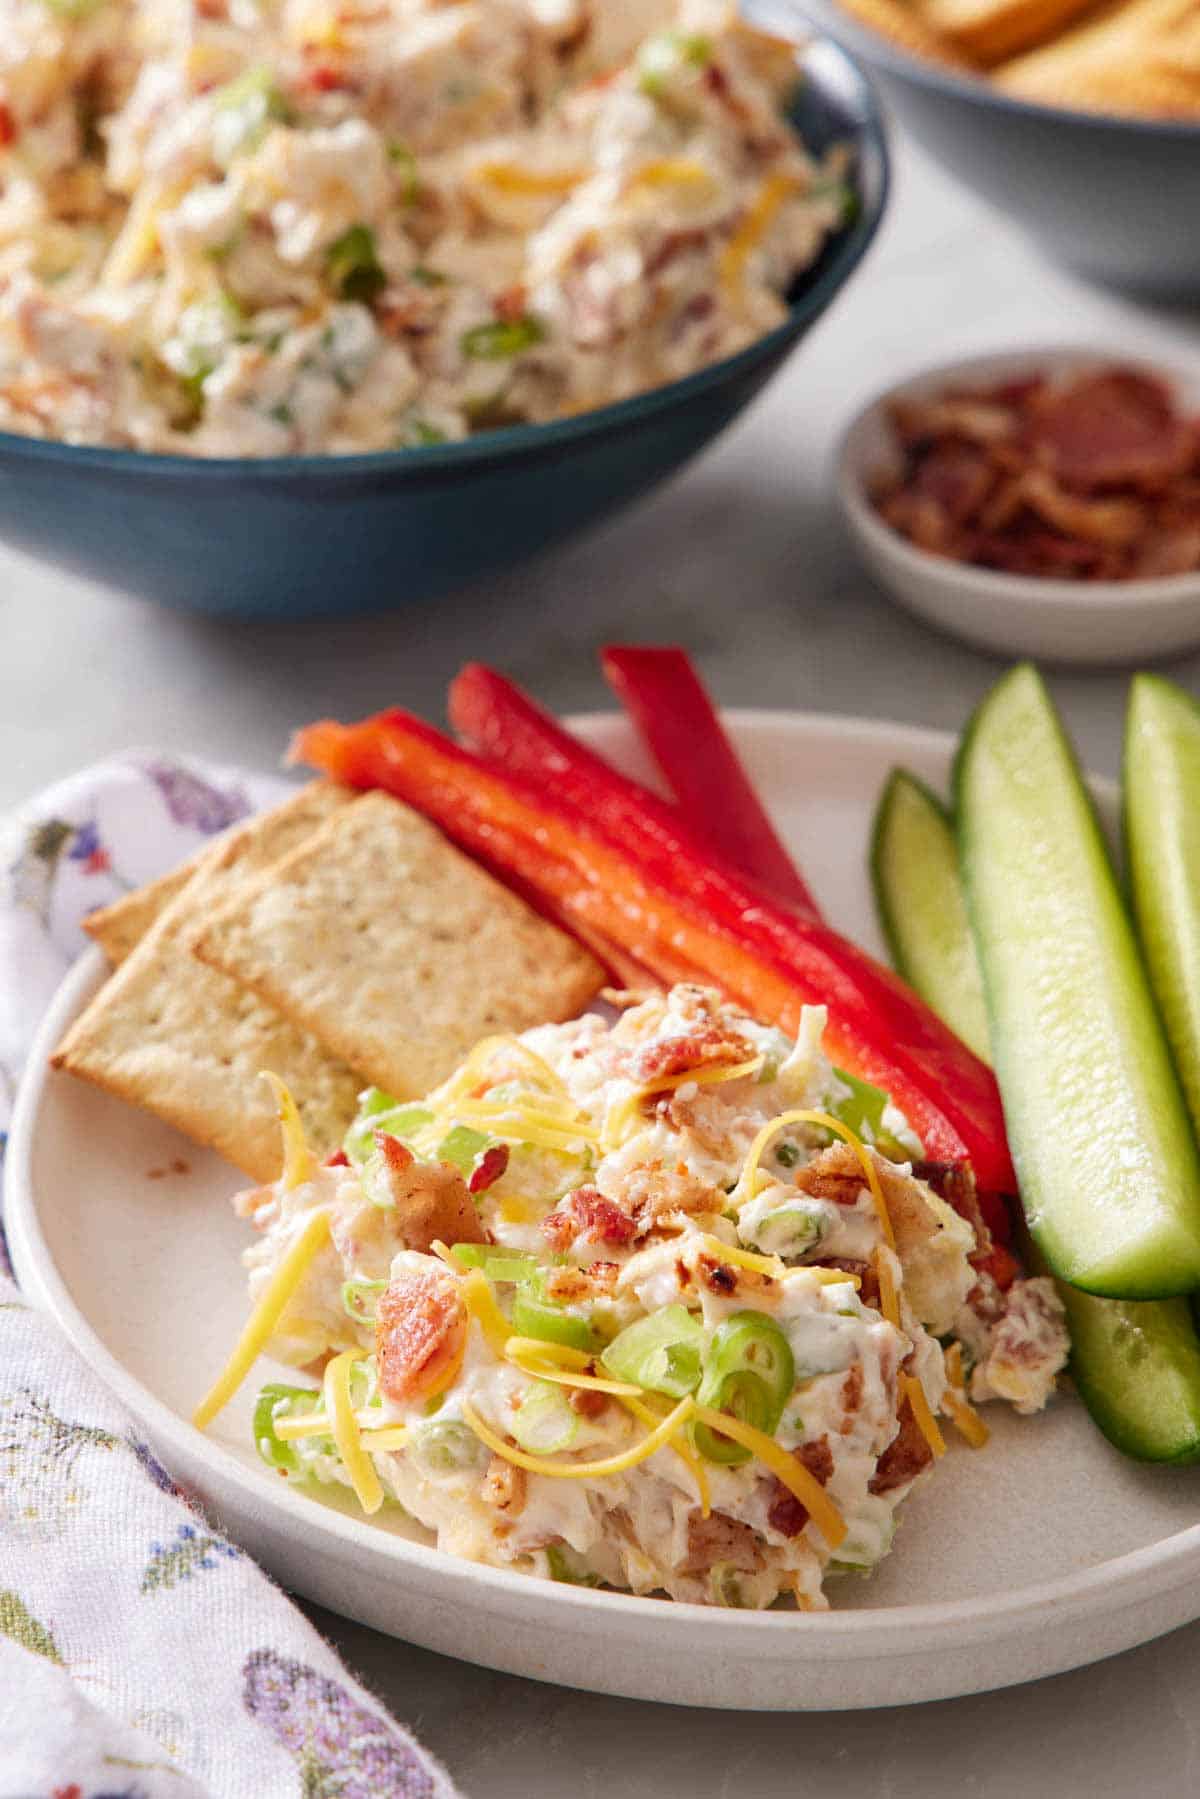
point(842, 256)
point(873, 48)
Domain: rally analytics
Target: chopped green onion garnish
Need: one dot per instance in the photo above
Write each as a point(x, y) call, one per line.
point(359, 1298)
point(661, 1352)
point(506, 337)
point(553, 1324)
point(498, 1264)
point(863, 1111)
point(447, 1447)
point(406, 169)
point(560, 1566)
point(463, 1147)
point(353, 265)
point(668, 54)
point(787, 1154)
point(544, 1423)
point(750, 1373)
point(243, 109)
point(277, 1401)
point(427, 277)
point(378, 1111)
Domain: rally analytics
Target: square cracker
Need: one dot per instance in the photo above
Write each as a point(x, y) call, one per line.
point(252, 846)
point(394, 949)
point(119, 928)
point(187, 1043)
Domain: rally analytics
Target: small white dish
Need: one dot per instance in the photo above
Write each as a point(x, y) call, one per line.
point(1056, 621)
point(1044, 1552)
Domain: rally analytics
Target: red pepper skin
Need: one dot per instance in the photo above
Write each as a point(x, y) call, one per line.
point(339, 1159)
point(676, 720)
point(686, 918)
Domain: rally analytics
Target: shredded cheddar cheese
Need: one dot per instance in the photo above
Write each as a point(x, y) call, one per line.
point(480, 1301)
point(625, 1113)
point(261, 1324)
point(760, 216)
point(926, 1422)
point(299, 1163)
point(511, 178)
point(959, 1409)
point(771, 1266)
point(827, 1122)
point(346, 1434)
point(794, 1475)
point(611, 1464)
point(889, 1299)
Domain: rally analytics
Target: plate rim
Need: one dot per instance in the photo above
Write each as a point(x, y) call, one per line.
point(883, 1632)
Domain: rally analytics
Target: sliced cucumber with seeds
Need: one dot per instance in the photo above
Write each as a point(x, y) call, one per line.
point(1136, 1364)
point(1162, 837)
point(922, 911)
point(1103, 1146)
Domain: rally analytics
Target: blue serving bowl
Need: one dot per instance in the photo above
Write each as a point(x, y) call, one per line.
point(1115, 198)
point(302, 536)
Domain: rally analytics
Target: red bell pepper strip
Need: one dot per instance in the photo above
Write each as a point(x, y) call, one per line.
point(676, 720)
point(687, 915)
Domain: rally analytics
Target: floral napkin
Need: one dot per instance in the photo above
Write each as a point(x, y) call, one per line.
point(142, 1655)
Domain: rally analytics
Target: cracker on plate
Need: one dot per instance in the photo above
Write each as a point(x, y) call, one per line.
point(119, 928)
point(253, 845)
point(394, 949)
point(187, 1043)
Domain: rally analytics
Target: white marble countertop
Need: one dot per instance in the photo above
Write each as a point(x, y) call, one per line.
point(742, 559)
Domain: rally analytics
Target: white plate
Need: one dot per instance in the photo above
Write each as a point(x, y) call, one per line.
point(1039, 1554)
point(1094, 622)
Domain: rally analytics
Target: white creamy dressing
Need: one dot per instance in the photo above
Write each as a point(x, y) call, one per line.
point(682, 1138)
point(531, 209)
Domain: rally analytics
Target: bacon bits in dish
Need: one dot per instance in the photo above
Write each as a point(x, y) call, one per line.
point(248, 231)
point(1090, 476)
point(632, 1303)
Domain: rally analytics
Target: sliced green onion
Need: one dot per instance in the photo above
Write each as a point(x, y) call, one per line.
point(791, 1229)
point(863, 1111)
point(561, 1567)
point(420, 434)
point(498, 1264)
point(667, 54)
point(353, 265)
point(447, 1447)
point(544, 1422)
point(462, 1147)
point(750, 1373)
point(787, 1154)
point(662, 1352)
point(405, 164)
point(397, 1120)
point(358, 1299)
point(424, 276)
point(506, 337)
point(553, 1324)
point(243, 109)
point(278, 1401)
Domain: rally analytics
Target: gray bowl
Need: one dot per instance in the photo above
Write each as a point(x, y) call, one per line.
point(1117, 199)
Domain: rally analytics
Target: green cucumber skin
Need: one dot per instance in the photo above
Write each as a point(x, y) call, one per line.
point(1147, 1409)
point(943, 984)
point(1136, 1365)
point(1135, 1153)
point(1162, 854)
